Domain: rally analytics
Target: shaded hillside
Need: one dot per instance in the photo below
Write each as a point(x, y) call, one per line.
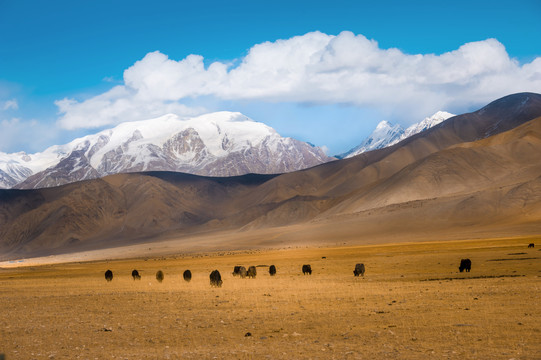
point(105, 212)
point(451, 179)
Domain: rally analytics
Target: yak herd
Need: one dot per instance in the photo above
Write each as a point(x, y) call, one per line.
point(240, 271)
point(216, 278)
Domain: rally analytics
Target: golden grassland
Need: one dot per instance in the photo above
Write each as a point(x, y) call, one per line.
point(411, 304)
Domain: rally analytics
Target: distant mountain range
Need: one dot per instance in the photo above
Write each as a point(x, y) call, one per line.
point(216, 144)
point(474, 175)
point(387, 134)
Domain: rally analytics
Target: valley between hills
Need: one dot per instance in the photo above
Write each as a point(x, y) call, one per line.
point(476, 175)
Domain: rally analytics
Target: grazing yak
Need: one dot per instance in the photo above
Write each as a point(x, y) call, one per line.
point(159, 276)
point(465, 264)
point(272, 270)
point(359, 270)
point(108, 275)
point(215, 279)
point(135, 275)
point(307, 269)
point(531, 245)
point(252, 272)
point(187, 275)
point(239, 271)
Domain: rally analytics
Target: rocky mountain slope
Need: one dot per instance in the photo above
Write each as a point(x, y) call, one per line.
point(476, 174)
point(217, 144)
point(387, 134)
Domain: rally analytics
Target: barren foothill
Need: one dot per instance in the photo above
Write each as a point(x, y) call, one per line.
point(412, 303)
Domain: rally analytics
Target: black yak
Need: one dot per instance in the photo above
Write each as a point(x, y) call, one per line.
point(108, 275)
point(240, 271)
point(531, 245)
point(135, 275)
point(272, 270)
point(187, 275)
point(252, 272)
point(465, 264)
point(215, 279)
point(359, 270)
point(307, 269)
point(159, 276)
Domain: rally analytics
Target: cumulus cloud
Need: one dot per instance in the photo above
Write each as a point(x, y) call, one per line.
point(9, 105)
point(117, 105)
point(19, 133)
point(312, 68)
point(15, 130)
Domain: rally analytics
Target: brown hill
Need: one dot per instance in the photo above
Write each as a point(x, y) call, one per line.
point(109, 211)
point(476, 173)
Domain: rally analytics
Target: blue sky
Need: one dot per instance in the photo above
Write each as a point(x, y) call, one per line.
point(59, 61)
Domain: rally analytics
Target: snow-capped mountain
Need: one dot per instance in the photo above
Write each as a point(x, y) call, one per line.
point(383, 136)
point(216, 144)
point(425, 124)
point(387, 134)
point(16, 167)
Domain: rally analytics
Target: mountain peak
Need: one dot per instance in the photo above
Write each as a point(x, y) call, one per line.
point(387, 134)
point(384, 133)
point(384, 124)
point(222, 143)
point(221, 116)
point(440, 114)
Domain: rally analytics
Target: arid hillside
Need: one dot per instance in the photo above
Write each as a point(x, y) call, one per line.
point(477, 173)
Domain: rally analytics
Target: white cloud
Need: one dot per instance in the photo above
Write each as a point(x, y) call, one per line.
point(110, 79)
point(325, 149)
point(9, 104)
point(117, 105)
point(313, 68)
point(16, 131)
point(24, 134)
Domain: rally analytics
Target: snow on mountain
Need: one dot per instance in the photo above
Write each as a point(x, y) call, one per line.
point(383, 136)
point(216, 144)
point(387, 134)
point(425, 124)
point(16, 167)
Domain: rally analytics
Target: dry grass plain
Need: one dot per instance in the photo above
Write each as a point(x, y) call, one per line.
point(411, 304)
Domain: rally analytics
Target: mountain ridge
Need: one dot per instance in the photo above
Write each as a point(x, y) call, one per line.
point(451, 181)
point(215, 144)
point(387, 134)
